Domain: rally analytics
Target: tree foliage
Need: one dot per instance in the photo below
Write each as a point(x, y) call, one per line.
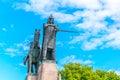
point(76, 71)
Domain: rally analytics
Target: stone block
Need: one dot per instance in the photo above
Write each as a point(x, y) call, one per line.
point(47, 71)
point(31, 77)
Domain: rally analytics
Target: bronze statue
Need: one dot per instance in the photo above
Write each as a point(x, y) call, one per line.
point(49, 39)
point(34, 54)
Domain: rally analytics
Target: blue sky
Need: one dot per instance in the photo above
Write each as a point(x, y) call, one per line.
point(96, 44)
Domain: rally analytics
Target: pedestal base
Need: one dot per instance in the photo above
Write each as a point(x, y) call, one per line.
point(31, 77)
point(47, 71)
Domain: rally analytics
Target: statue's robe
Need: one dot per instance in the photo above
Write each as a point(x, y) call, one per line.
point(49, 40)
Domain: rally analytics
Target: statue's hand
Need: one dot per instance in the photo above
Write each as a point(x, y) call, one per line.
point(24, 63)
point(24, 59)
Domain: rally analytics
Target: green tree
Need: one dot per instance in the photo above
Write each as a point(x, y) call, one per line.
point(102, 74)
point(71, 71)
point(76, 71)
point(112, 76)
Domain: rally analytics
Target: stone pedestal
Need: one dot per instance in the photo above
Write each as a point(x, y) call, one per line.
point(31, 77)
point(47, 71)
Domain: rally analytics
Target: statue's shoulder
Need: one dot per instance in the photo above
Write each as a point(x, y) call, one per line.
point(44, 25)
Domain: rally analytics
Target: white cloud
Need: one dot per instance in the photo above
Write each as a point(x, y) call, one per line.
point(79, 38)
point(4, 29)
point(12, 52)
point(22, 65)
point(38, 6)
point(19, 49)
point(88, 45)
point(116, 71)
point(24, 46)
point(94, 4)
point(99, 20)
point(7, 28)
point(59, 43)
point(113, 39)
point(73, 58)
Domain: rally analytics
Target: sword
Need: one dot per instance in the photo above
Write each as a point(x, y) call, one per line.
point(67, 31)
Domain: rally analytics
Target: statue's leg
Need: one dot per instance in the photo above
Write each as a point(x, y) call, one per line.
point(32, 67)
point(30, 64)
point(45, 45)
point(29, 69)
point(36, 67)
point(44, 54)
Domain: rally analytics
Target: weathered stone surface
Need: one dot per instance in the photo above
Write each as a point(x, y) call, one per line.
point(47, 71)
point(31, 77)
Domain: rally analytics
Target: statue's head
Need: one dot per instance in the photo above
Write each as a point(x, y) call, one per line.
point(31, 45)
point(37, 30)
point(50, 19)
point(36, 35)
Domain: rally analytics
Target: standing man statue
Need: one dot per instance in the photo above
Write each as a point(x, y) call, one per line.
point(34, 54)
point(49, 39)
